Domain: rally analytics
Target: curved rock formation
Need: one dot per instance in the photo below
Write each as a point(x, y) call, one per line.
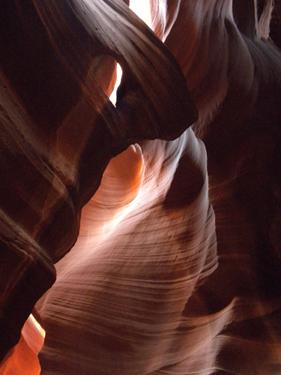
point(141, 262)
point(176, 268)
point(57, 124)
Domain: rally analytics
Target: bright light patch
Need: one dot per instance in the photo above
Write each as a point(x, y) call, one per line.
point(113, 96)
point(33, 334)
point(142, 10)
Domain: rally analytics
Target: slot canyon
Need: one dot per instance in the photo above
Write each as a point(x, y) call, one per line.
point(140, 187)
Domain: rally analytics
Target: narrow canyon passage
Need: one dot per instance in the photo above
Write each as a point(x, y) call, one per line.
point(140, 194)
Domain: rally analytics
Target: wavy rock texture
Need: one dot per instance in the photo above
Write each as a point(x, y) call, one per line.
point(140, 265)
point(176, 269)
point(59, 129)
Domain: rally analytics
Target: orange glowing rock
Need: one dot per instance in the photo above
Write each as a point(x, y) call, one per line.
point(23, 358)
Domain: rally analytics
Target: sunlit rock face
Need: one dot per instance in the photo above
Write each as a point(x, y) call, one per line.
point(59, 129)
point(133, 274)
point(23, 357)
point(165, 239)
